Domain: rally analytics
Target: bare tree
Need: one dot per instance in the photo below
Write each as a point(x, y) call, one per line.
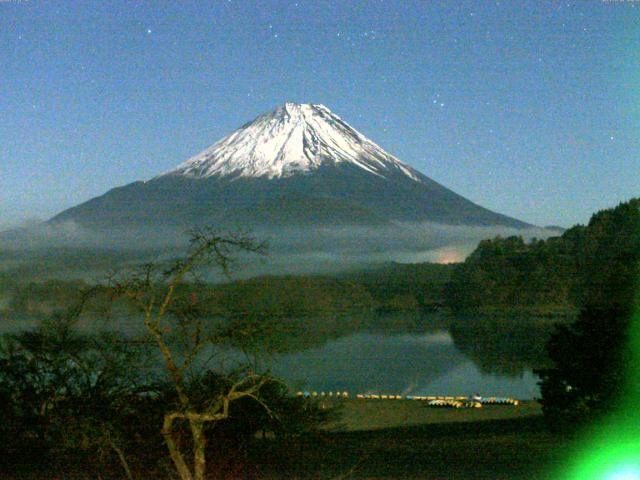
point(166, 306)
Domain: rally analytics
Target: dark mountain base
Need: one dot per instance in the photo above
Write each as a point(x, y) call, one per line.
point(332, 195)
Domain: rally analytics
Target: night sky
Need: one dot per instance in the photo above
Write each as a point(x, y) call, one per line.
point(529, 108)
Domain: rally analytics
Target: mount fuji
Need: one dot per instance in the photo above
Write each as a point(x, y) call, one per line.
point(298, 165)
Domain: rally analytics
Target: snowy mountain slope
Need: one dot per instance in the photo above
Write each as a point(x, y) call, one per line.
point(294, 138)
point(299, 165)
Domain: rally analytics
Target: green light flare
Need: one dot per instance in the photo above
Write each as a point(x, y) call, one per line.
point(613, 446)
point(609, 458)
point(627, 472)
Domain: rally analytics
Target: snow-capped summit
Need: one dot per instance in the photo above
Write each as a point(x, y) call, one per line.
point(299, 165)
point(292, 138)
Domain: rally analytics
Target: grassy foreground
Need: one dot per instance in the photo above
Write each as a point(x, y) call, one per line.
point(356, 415)
point(408, 440)
point(381, 439)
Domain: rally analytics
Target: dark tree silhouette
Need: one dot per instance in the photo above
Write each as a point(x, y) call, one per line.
point(592, 355)
point(167, 307)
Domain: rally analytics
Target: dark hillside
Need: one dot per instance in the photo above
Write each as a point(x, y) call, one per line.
point(544, 277)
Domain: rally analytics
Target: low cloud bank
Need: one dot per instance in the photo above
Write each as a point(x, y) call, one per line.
point(291, 250)
point(43, 235)
point(329, 248)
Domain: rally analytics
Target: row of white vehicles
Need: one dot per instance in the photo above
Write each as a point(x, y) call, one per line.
point(472, 401)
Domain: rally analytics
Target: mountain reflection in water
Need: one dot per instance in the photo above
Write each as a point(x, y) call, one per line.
point(394, 354)
point(421, 364)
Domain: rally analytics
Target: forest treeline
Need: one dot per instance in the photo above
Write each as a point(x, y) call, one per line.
point(509, 276)
point(541, 277)
point(387, 288)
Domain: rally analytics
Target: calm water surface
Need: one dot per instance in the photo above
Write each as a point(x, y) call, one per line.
point(418, 364)
point(433, 363)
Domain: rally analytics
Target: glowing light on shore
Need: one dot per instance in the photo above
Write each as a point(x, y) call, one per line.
point(449, 255)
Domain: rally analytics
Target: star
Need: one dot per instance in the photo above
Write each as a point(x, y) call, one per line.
point(148, 31)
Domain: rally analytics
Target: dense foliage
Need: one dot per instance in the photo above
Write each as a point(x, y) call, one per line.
point(66, 394)
point(95, 403)
point(405, 287)
point(509, 275)
point(591, 357)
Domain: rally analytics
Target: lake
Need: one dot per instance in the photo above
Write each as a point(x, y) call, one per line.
point(404, 355)
point(416, 364)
